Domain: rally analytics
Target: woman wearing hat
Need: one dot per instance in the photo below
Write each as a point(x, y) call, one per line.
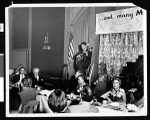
point(81, 80)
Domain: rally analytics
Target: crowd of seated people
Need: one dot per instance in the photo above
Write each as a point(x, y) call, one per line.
point(16, 77)
point(83, 99)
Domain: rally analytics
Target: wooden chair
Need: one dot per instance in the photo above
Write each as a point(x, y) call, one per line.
point(130, 95)
point(140, 102)
point(89, 73)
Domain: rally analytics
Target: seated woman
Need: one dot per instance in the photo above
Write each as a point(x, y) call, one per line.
point(28, 93)
point(75, 95)
point(116, 94)
point(57, 101)
point(85, 103)
point(82, 81)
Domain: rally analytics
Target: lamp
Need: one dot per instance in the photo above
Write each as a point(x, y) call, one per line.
point(46, 45)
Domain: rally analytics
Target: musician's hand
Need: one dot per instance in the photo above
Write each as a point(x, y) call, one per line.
point(86, 53)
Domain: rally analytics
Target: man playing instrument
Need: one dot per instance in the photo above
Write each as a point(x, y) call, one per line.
point(83, 60)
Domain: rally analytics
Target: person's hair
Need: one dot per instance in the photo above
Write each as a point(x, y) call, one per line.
point(86, 93)
point(83, 77)
point(79, 48)
point(57, 100)
point(21, 68)
point(14, 101)
point(117, 80)
point(27, 82)
point(36, 68)
point(14, 89)
point(20, 65)
point(83, 43)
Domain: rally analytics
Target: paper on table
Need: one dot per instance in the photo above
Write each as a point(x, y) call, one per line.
point(114, 104)
point(46, 92)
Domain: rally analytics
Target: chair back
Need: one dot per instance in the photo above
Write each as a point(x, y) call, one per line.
point(89, 73)
point(140, 102)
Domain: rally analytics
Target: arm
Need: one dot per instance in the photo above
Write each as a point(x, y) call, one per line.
point(123, 96)
point(106, 95)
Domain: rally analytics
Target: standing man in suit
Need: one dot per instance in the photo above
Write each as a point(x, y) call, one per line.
point(83, 58)
point(37, 80)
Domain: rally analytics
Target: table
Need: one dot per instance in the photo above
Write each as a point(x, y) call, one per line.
point(112, 109)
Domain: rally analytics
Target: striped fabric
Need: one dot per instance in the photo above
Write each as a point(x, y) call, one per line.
point(70, 48)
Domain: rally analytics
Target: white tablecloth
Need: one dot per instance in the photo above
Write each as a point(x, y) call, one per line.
point(111, 112)
point(102, 111)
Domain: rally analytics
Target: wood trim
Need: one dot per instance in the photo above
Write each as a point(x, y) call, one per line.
point(29, 39)
point(26, 51)
point(19, 50)
point(10, 22)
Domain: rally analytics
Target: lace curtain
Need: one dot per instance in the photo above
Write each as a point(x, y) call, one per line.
point(116, 49)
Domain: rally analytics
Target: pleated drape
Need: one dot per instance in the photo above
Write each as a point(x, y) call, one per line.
point(81, 30)
point(80, 34)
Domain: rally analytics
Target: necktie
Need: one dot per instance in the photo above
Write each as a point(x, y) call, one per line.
point(37, 77)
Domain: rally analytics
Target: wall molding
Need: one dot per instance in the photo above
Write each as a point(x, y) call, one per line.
point(29, 39)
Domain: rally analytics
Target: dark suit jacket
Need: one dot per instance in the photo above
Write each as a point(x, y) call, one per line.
point(39, 82)
point(16, 78)
point(84, 63)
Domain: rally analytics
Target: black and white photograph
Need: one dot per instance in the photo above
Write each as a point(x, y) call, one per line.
point(75, 60)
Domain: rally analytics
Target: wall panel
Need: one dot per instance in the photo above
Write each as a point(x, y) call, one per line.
point(49, 20)
point(20, 28)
